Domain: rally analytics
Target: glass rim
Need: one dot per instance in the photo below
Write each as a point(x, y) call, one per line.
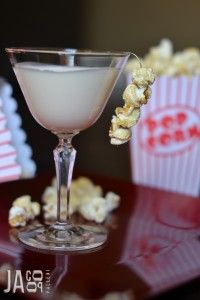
point(67, 51)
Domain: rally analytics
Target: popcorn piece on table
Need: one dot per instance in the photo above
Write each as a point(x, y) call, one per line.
point(85, 198)
point(84, 185)
point(80, 188)
point(97, 208)
point(23, 210)
point(112, 201)
point(24, 202)
point(50, 211)
point(49, 195)
point(94, 209)
point(17, 216)
point(35, 207)
point(49, 198)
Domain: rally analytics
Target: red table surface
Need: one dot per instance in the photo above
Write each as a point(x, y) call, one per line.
point(153, 244)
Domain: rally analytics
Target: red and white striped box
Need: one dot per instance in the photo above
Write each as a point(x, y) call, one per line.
point(10, 169)
point(15, 154)
point(165, 148)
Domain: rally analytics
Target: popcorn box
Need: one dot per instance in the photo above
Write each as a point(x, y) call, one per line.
point(165, 147)
point(15, 154)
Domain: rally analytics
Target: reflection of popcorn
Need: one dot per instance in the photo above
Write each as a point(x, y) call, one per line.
point(3, 273)
point(126, 295)
point(23, 210)
point(135, 95)
point(85, 198)
point(17, 216)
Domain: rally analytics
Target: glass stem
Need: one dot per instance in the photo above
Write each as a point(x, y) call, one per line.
point(64, 156)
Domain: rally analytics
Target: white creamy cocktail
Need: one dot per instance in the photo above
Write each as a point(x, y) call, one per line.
point(63, 98)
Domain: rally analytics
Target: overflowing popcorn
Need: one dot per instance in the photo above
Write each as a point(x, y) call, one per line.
point(164, 62)
point(135, 95)
point(85, 198)
point(22, 211)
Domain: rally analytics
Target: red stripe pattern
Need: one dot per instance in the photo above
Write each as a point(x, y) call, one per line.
point(9, 167)
point(166, 142)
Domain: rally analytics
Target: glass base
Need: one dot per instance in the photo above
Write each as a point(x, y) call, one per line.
point(63, 237)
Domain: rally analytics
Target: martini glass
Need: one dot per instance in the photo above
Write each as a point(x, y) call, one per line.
point(66, 91)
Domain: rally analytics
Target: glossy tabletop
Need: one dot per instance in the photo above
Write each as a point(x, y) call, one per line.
point(153, 245)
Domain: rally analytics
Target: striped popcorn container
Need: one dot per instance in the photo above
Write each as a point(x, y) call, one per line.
point(165, 148)
point(15, 154)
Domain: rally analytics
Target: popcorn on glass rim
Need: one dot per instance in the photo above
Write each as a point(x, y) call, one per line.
point(135, 95)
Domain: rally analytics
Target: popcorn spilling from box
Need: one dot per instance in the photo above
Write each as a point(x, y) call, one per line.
point(135, 95)
point(164, 61)
point(86, 198)
point(166, 149)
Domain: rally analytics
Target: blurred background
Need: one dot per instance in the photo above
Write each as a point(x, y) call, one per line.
point(105, 25)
